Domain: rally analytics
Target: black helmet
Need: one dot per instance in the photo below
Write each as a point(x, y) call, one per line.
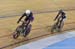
point(60, 10)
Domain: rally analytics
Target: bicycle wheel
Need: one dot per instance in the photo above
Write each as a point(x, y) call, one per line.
point(53, 29)
point(16, 34)
point(27, 30)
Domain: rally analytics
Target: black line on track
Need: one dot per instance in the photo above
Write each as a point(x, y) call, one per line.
point(29, 39)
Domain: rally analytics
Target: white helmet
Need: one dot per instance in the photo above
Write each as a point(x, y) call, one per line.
point(28, 12)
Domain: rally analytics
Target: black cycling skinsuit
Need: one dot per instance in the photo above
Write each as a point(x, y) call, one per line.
point(60, 16)
point(28, 18)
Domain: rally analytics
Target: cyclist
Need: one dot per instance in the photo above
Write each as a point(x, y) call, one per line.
point(60, 17)
point(29, 17)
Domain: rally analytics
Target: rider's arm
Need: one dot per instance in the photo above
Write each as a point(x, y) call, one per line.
point(21, 18)
point(57, 16)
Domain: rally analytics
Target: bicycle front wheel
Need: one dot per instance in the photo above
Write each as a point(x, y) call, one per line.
point(16, 35)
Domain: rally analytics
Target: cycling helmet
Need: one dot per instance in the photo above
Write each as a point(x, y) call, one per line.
point(28, 12)
point(60, 10)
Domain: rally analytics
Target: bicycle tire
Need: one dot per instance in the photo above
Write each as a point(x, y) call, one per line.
point(16, 35)
point(53, 28)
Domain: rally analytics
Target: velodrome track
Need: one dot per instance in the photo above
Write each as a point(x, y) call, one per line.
point(12, 44)
point(42, 11)
point(8, 24)
point(9, 45)
point(48, 34)
point(15, 43)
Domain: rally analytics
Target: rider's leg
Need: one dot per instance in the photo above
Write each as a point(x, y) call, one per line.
point(26, 29)
point(60, 23)
point(27, 23)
